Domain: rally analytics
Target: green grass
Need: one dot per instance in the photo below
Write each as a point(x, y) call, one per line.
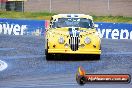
point(26, 15)
point(112, 19)
point(47, 16)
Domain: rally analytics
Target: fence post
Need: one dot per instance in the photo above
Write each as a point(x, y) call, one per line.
point(50, 6)
point(79, 6)
point(108, 5)
point(22, 6)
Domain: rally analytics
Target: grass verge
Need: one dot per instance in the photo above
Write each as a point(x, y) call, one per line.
point(47, 16)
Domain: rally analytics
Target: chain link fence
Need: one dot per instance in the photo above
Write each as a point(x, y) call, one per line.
point(92, 7)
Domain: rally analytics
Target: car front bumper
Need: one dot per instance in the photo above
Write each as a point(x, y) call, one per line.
point(69, 51)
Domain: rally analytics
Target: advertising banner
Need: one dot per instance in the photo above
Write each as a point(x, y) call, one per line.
point(114, 30)
point(37, 27)
point(22, 27)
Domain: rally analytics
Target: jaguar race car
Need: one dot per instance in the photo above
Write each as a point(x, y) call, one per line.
point(72, 34)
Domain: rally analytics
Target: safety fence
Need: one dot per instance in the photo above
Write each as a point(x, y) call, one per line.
point(93, 7)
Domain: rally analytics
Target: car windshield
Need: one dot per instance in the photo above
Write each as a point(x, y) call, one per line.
point(72, 22)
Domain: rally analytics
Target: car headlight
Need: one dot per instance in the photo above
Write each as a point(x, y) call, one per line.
point(87, 40)
point(61, 40)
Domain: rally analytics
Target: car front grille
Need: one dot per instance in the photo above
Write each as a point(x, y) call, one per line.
point(74, 43)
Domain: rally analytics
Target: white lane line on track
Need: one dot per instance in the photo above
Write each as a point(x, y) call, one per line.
point(6, 49)
point(3, 65)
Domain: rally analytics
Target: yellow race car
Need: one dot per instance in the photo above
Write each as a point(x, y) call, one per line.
point(72, 34)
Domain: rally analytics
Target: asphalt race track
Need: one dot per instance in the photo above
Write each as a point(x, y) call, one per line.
point(27, 67)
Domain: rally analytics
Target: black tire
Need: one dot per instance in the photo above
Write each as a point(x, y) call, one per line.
point(95, 57)
point(98, 57)
point(48, 56)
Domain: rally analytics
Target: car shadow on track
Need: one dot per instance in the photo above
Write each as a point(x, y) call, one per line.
point(74, 57)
